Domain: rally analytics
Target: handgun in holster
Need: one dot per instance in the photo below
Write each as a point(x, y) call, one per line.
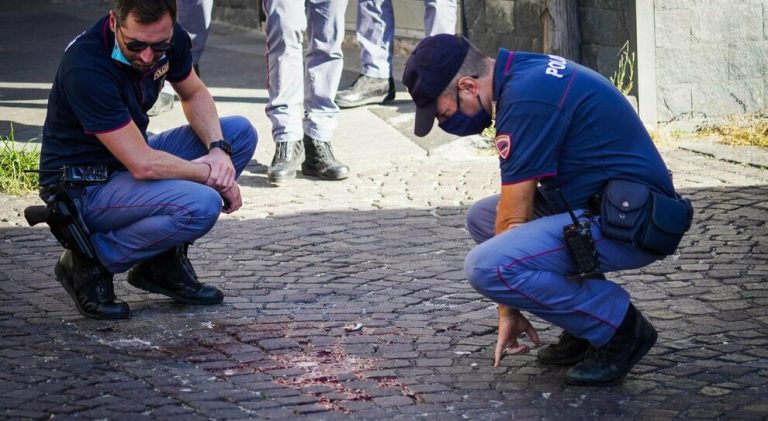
point(62, 212)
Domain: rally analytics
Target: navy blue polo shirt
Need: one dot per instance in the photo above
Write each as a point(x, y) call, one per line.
point(568, 127)
point(92, 93)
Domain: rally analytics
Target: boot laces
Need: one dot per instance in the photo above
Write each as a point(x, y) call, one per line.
point(184, 260)
point(282, 151)
point(102, 284)
point(286, 151)
point(324, 152)
point(363, 81)
point(599, 355)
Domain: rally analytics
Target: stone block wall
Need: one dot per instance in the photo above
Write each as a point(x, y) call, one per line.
point(711, 57)
point(606, 25)
point(517, 25)
point(512, 24)
point(242, 13)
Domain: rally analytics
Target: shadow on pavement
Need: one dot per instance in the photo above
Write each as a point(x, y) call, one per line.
point(368, 313)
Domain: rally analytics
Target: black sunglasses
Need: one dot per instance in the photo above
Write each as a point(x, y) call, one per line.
point(139, 46)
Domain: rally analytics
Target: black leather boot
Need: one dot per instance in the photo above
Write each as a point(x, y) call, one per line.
point(366, 90)
point(89, 284)
point(320, 161)
point(286, 161)
point(568, 350)
point(170, 273)
point(608, 364)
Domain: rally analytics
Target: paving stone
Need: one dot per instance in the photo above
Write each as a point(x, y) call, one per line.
point(303, 263)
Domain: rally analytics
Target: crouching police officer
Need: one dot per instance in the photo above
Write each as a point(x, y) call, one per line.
point(565, 138)
point(141, 199)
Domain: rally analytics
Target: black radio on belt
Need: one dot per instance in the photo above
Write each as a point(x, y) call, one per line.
point(578, 238)
point(84, 175)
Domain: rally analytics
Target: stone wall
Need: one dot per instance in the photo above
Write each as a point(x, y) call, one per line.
point(512, 24)
point(242, 13)
point(517, 25)
point(606, 25)
point(710, 57)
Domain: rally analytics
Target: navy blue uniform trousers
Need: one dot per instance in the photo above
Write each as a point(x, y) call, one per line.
point(133, 220)
point(527, 268)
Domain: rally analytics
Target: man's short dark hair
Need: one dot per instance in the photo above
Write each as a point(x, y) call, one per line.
point(145, 11)
point(475, 65)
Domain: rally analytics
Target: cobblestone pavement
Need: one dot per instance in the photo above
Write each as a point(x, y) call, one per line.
point(351, 303)
point(347, 300)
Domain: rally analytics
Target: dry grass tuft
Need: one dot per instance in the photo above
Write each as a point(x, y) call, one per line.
point(739, 130)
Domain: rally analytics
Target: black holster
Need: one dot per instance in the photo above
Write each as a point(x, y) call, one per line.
point(62, 214)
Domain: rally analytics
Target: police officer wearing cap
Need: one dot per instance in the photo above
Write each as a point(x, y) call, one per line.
point(163, 191)
point(563, 134)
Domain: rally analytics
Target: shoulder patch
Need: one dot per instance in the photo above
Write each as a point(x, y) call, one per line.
point(503, 145)
point(161, 71)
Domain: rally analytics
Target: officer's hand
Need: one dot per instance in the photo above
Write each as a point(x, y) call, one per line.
point(222, 171)
point(232, 198)
point(511, 324)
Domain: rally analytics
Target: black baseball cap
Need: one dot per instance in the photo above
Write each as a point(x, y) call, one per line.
point(430, 68)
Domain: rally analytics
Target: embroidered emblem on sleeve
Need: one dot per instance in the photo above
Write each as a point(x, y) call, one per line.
point(160, 72)
point(503, 145)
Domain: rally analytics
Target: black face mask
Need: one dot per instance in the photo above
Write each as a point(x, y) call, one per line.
point(461, 124)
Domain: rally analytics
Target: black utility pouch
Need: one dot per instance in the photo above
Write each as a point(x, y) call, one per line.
point(631, 212)
point(624, 209)
point(669, 220)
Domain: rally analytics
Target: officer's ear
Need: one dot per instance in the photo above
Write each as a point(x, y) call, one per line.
point(469, 84)
point(112, 20)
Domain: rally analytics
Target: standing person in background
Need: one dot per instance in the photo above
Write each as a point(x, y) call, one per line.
point(195, 18)
point(376, 35)
point(301, 93)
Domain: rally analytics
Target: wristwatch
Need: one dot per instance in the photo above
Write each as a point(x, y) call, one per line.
point(223, 145)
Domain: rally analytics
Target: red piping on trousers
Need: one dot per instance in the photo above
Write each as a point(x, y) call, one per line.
point(498, 272)
point(122, 259)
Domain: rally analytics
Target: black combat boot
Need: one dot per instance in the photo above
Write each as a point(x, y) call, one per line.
point(170, 273)
point(568, 350)
point(89, 284)
point(366, 90)
point(286, 161)
point(320, 161)
point(608, 364)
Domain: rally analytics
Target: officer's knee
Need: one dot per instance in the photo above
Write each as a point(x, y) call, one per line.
point(240, 128)
point(477, 223)
point(479, 269)
point(474, 230)
point(204, 210)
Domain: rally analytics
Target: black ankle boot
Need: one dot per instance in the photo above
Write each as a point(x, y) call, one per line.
point(568, 350)
point(171, 274)
point(608, 364)
point(286, 161)
point(89, 284)
point(366, 90)
point(320, 161)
